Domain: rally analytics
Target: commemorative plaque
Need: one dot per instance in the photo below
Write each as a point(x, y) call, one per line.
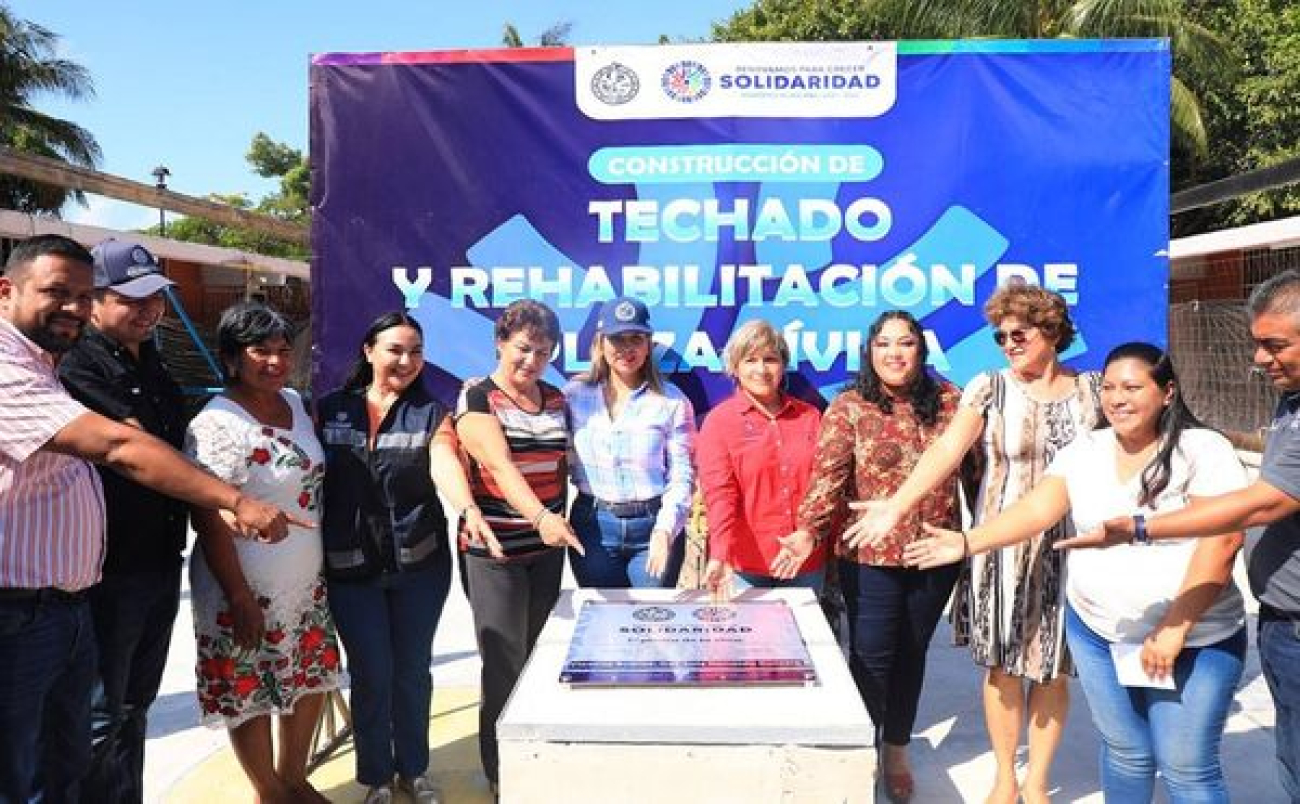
point(652, 643)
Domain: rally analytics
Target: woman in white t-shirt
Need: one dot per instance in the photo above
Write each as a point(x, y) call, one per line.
point(1157, 631)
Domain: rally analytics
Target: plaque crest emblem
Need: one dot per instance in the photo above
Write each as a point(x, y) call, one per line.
point(653, 614)
point(714, 614)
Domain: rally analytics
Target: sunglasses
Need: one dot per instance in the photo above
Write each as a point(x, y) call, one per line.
point(1017, 336)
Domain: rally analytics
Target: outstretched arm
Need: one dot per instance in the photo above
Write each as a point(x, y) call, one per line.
point(482, 437)
point(151, 462)
point(1260, 503)
point(448, 474)
point(1032, 514)
point(939, 461)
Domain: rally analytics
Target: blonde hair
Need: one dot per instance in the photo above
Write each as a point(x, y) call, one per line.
point(751, 337)
point(1035, 306)
point(600, 370)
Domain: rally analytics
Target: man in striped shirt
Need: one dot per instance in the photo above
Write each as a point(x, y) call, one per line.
point(52, 519)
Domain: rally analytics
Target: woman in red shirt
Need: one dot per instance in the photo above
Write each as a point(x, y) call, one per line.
point(873, 433)
point(755, 453)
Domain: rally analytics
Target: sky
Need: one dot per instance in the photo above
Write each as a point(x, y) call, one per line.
point(187, 84)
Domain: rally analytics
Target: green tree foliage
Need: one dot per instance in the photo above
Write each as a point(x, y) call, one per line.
point(824, 20)
point(555, 36)
point(806, 21)
point(1252, 111)
point(29, 68)
point(269, 159)
point(201, 230)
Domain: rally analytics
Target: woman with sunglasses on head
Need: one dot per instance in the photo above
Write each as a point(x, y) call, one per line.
point(512, 429)
point(755, 455)
point(630, 457)
point(1174, 603)
point(872, 435)
point(389, 453)
point(1008, 606)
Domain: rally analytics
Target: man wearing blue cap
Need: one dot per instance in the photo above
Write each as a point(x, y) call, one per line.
point(52, 519)
point(115, 370)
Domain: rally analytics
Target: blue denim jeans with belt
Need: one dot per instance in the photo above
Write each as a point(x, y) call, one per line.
point(1279, 656)
point(1177, 732)
point(618, 546)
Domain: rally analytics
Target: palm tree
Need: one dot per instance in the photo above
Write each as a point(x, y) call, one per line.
point(555, 36)
point(28, 68)
point(1045, 19)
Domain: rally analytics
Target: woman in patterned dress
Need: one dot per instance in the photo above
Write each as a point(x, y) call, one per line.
point(1008, 606)
point(266, 643)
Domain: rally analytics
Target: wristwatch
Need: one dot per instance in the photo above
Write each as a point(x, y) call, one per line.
point(1140, 535)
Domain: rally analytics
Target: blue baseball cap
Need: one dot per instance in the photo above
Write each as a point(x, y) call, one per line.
point(623, 314)
point(127, 268)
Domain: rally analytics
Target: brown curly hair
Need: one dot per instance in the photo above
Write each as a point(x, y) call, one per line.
point(1038, 307)
point(531, 316)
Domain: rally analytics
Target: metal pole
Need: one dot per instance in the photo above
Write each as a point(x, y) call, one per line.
point(160, 174)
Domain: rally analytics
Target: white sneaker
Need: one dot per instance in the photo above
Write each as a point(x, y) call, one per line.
point(421, 789)
point(382, 794)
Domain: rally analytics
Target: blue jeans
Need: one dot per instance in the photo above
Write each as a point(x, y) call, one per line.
point(617, 549)
point(387, 627)
point(133, 615)
point(1177, 732)
point(47, 670)
point(815, 580)
point(1279, 655)
point(892, 613)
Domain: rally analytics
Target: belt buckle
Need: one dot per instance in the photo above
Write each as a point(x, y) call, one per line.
point(627, 510)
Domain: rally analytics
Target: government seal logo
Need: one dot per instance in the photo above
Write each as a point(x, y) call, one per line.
point(714, 614)
point(686, 81)
point(653, 614)
point(615, 84)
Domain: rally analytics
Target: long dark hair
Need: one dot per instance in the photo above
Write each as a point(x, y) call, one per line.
point(922, 391)
point(1174, 419)
point(361, 374)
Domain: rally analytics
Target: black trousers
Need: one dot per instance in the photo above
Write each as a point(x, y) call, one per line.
point(511, 601)
point(892, 613)
point(133, 615)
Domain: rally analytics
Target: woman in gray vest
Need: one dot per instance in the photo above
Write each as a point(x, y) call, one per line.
point(389, 451)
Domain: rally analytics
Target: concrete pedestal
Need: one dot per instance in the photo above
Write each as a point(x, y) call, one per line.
point(810, 744)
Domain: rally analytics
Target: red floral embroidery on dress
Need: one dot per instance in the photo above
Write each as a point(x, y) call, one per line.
point(282, 453)
point(291, 658)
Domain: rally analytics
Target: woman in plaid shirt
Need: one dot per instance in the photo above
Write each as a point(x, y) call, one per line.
point(629, 457)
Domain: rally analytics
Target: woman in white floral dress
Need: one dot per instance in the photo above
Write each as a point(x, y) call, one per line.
point(266, 644)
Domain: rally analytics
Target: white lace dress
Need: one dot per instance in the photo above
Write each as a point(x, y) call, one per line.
point(299, 653)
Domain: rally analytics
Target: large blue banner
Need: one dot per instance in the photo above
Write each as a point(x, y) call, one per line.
point(811, 185)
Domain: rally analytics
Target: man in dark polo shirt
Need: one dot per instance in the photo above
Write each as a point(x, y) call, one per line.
point(115, 370)
point(1273, 557)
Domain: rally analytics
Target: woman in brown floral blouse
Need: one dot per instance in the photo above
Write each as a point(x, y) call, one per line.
point(872, 435)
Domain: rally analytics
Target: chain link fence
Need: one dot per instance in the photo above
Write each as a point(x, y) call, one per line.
point(1210, 340)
